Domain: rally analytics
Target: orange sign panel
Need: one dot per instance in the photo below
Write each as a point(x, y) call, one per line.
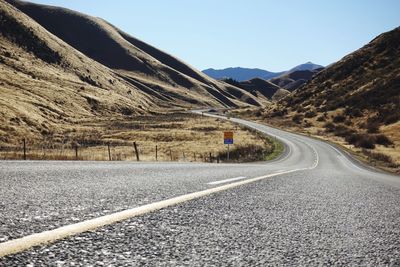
point(228, 135)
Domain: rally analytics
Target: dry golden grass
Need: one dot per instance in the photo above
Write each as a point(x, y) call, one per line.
point(45, 79)
point(314, 127)
point(354, 102)
point(392, 131)
point(178, 137)
point(53, 95)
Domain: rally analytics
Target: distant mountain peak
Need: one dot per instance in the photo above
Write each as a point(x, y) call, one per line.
point(245, 74)
point(240, 73)
point(306, 66)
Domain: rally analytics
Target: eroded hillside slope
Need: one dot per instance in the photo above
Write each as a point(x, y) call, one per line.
point(157, 73)
point(354, 102)
point(47, 85)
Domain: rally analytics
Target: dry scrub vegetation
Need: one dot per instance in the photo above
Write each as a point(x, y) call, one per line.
point(354, 102)
point(178, 137)
point(59, 93)
point(375, 143)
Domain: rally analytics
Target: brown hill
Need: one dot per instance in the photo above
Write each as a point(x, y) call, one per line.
point(295, 79)
point(364, 82)
point(46, 83)
point(260, 88)
point(142, 65)
point(355, 101)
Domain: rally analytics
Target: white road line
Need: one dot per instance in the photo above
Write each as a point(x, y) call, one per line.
point(227, 180)
point(334, 148)
point(27, 242)
point(316, 161)
point(344, 159)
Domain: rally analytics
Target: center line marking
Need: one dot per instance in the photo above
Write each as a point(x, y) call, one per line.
point(227, 180)
point(27, 242)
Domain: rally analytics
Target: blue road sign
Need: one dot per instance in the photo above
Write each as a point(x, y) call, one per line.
point(228, 141)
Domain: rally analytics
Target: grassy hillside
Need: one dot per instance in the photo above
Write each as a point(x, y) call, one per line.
point(145, 67)
point(260, 88)
point(354, 102)
point(44, 83)
point(162, 137)
point(294, 79)
point(49, 85)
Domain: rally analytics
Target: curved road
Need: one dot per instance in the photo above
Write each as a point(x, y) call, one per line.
point(313, 206)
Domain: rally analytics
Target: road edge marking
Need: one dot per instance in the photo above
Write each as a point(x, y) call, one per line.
point(24, 243)
point(227, 180)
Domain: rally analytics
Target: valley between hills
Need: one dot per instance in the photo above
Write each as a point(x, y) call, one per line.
point(60, 89)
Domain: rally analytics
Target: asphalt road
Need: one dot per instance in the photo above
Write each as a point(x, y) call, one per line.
point(320, 207)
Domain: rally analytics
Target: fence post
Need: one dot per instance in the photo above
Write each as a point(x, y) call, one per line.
point(109, 152)
point(210, 158)
point(194, 156)
point(136, 151)
point(217, 159)
point(170, 153)
point(24, 149)
point(184, 157)
point(156, 153)
point(76, 152)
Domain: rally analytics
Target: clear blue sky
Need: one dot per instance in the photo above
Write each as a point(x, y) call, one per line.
point(273, 35)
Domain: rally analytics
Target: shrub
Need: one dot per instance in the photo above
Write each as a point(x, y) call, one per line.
point(361, 140)
point(348, 122)
point(353, 112)
point(318, 102)
point(277, 113)
point(297, 118)
point(88, 79)
point(247, 153)
point(366, 141)
point(372, 127)
point(382, 139)
point(307, 124)
point(127, 111)
point(331, 106)
point(393, 118)
point(94, 103)
point(352, 139)
point(339, 118)
point(378, 156)
point(321, 118)
point(310, 114)
point(301, 109)
point(322, 109)
point(258, 113)
point(329, 127)
point(343, 131)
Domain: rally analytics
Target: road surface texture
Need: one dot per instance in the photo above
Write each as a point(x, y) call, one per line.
point(315, 205)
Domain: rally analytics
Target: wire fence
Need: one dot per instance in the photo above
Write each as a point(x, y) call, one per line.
point(103, 152)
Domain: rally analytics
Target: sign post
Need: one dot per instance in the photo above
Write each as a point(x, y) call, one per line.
point(228, 140)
